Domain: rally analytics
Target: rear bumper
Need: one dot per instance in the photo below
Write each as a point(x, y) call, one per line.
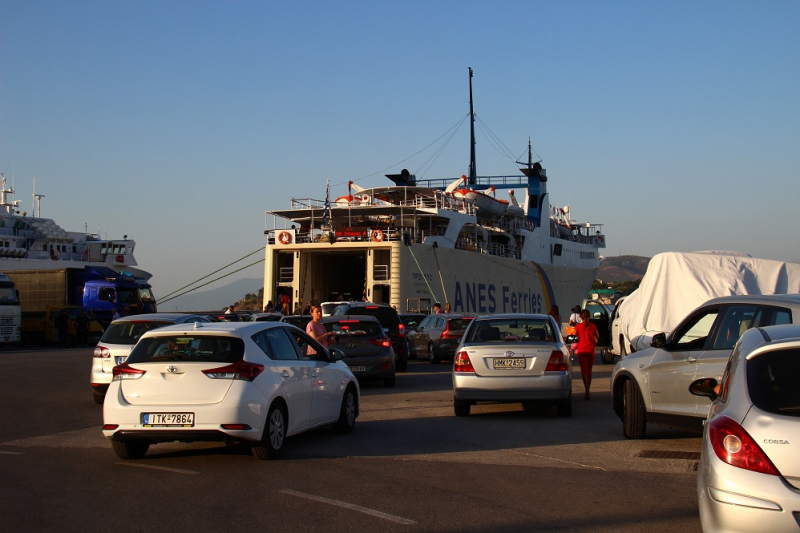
point(551, 386)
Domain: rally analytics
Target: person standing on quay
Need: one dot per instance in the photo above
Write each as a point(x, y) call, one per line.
point(585, 351)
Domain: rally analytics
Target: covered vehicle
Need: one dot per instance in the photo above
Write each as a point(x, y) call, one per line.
point(512, 358)
point(676, 283)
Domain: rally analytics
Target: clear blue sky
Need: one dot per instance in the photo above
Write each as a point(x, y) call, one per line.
point(676, 124)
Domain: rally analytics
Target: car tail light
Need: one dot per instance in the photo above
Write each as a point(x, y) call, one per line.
point(446, 333)
point(109, 427)
point(124, 371)
point(736, 447)
point(101, 352)
point(386, 342)
point(240, 370)
point(557, 361)
point(462, 363)
point(401, 330)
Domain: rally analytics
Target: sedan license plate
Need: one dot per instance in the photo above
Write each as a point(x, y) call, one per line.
point(183, 420)
point(509, 363)
point(358, 369)
point(120, 360)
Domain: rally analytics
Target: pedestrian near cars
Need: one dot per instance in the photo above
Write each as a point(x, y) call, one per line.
point(317, 330)
point(115, 314)
point(585, 349)
point(437, 308)
point(575, 317)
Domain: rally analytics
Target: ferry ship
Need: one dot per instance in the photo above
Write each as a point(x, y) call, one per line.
point(35, 243)
point(421, 242)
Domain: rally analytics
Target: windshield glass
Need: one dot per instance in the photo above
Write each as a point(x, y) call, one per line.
point(8, 295)
point(773, 381)
point(129, 332)
point(355, 328)
point(512, 330)
point(196, 348)
point(146, 295)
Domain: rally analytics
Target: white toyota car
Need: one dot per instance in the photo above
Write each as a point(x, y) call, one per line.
point(252, 382)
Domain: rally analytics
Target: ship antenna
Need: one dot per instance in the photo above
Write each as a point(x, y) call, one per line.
point(472, 170)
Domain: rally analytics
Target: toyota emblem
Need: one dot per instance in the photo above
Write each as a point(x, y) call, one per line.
point(172, 369)
point(509, 354)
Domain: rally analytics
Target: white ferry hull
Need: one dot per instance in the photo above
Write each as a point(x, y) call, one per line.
point(415, 276)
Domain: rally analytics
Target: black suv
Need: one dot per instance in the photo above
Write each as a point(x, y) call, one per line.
point(390, 321)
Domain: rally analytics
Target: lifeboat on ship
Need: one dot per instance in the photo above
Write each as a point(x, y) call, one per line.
point(485, 205)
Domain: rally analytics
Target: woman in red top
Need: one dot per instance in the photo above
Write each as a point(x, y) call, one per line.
point(587, 340)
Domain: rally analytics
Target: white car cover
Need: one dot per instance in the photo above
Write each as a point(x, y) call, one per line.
point(677, 283)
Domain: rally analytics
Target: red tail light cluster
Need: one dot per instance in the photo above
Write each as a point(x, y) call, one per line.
point(557, 362)
point(386, 342)
point(736, 447)
point(239, 370)
point(101, 351)
point(401, 330)
point(124, 371)
point(462, 363)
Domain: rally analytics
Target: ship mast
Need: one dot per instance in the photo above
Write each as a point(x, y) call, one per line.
point(472, 170)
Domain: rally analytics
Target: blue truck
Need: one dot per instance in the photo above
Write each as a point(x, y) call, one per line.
point(98, 290)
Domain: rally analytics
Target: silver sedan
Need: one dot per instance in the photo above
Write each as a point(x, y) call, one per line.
point(748, 478)
point(512, 358)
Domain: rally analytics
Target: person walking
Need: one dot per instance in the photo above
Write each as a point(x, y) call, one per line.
point(556, 315)
point(585, 350)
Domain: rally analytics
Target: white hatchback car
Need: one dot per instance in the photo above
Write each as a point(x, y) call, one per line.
point(118, 340)
point(253, 382)
point(748, 478)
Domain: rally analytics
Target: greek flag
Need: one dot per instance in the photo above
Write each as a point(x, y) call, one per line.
point(326, 211)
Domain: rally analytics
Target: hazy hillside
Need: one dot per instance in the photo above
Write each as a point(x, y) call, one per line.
point(213, 299)
point(622, 268)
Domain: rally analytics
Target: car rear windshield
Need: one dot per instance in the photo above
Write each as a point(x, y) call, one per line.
point(512, 330)
point(458, 324)
point(773, 381)
point(300, 321)
point(196, 348)
point(385, 315)
point(355, 328)
point(129, 332)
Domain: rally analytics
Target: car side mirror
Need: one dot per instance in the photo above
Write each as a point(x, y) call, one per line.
point(705, 387)
point(659, 340)
point(336, 354)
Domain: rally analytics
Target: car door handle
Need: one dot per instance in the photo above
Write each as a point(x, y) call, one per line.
point(285, 374)
point(691, 359)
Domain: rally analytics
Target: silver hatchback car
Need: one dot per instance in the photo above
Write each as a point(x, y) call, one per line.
point(119, 339)
point(748, 478)
point(512, 358)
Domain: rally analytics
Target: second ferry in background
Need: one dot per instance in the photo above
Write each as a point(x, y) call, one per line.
point(420, 242)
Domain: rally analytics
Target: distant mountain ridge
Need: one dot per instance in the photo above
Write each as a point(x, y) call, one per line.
point(622, 268)
point(213, 299)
